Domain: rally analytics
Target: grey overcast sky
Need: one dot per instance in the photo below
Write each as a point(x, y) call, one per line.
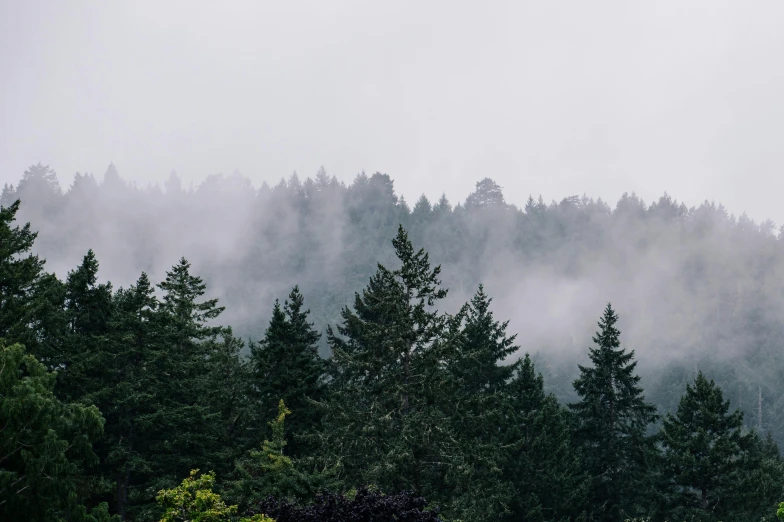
point(550, 98)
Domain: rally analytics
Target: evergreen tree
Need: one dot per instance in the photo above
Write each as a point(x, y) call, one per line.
point(87, 312)
point(20, 275)
point(45, 444)
point(133, 396)
point(229, 396)
point(484, 347)
point(270, 471)
point(612, 418)
point(286, 366)
point(472, 393)
point(384, 423)
point(184, 422)
point(542, 466)
point(708, 456)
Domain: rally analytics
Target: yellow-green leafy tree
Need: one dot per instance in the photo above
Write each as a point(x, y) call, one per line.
point(194, 501)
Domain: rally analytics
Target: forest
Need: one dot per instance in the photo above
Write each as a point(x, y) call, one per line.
point(322, 351)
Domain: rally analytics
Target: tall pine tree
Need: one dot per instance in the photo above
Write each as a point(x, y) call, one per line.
point(20, 274)
point(612, 419)
point(542, 466)
point(286, 366)
point(707, 456)
point(386, 423)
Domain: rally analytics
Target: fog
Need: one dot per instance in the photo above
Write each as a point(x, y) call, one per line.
point(685, 281)
point(205, 110)
point(554, 99)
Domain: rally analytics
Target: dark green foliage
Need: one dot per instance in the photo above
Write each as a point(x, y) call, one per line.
point(87, 314)
point(230, 398)
point(472, 391)
point(382, 422)
point(543, 467)
point(286, 366)
point(612, 420)
point(132, 402)
point(716, 471)
point(185, 421)
point(270, 471)
point(483, 348)
point(45, 444)
point(20, 276)
point(413, 398)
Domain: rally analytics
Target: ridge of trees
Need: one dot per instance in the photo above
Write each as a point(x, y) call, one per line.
point(111, 397)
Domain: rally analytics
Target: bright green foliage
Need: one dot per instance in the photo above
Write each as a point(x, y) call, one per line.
point(270, 471)
point(612, 418)
point(543, 467)
point(286, 366)
point(45, 444)
point(194, 501)
point(707, 456)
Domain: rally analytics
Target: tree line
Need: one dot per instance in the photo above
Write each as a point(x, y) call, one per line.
point(698, 287)
point(137, 404)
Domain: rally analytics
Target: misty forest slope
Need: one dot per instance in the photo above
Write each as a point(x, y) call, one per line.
point(381, 379)
point(697, 288)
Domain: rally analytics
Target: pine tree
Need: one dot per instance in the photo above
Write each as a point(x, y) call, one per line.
point(706, 455)
point(286, 366)
point(87, 312)
point(473, 393)
point(229, 395)
point(484, 347)
point(271, 471)
point(20, 274)
point(133, 395)
point(384, 423)
point(612, 418)
point(184, 421)
point(542, 465)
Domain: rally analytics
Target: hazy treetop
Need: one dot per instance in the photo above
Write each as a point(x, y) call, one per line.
point(545, 98)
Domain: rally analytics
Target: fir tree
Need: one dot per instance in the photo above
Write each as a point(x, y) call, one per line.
point(229, 396)
point(542, 467)
point(20, 274)
point(286, 366)
point(184, 422)
point(707, 455)
point(612, 418)
point(133, 396)
point(87, 312)
point(384, 423)
point(484, 347)
point(472, 392)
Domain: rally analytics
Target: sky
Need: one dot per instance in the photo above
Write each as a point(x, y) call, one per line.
point(547, 98)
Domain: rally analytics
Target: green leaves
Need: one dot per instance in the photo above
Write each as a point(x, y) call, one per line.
point(194, 501)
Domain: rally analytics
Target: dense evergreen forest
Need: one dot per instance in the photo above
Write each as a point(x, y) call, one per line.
point(377, 361)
